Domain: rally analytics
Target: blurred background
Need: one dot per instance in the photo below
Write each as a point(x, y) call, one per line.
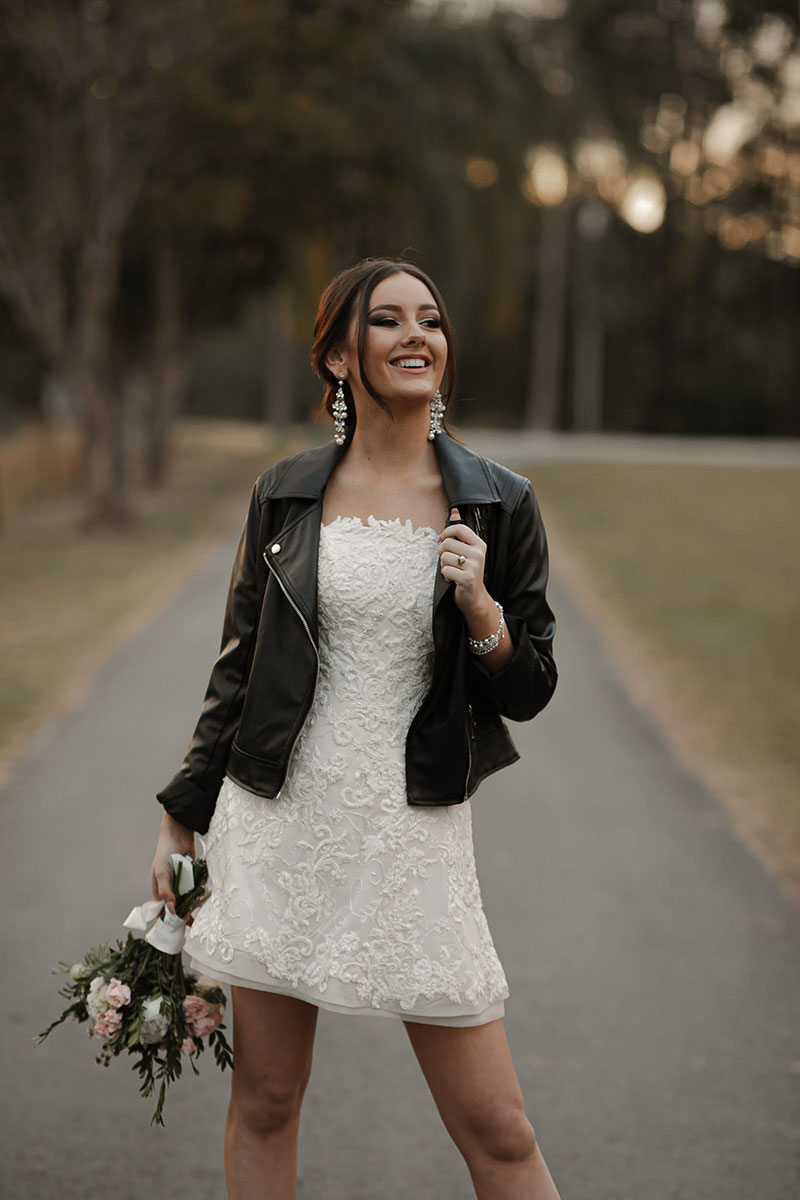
point(608, 192)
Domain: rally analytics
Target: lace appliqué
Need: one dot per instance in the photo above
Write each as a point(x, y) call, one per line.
point(339, 887)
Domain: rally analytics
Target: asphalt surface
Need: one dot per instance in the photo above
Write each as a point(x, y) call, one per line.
point(653, 966)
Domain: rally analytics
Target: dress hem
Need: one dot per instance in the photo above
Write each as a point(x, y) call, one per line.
point(492, 1012)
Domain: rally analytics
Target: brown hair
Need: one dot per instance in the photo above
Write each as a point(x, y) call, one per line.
point(349, 294)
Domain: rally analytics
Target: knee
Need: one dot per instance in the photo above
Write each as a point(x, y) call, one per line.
point(504, 1135)
point(265, 1106)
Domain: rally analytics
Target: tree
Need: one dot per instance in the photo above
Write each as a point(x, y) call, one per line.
point(84, 92)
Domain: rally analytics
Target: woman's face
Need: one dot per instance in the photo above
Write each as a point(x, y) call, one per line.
point(405, 352)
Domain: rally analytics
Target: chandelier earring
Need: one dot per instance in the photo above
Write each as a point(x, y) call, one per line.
point(437, 413)
point(339, 409)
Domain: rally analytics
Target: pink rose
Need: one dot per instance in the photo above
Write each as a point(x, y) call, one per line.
point(118, 994)
point(108, 1024)
point(188, 1046)
point(208, 1024)
point(194, 1007)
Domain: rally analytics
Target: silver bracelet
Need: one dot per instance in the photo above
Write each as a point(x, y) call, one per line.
point(488, 644)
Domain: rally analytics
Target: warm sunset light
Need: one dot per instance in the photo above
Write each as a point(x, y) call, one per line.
point(644, 202)
point(547, 181)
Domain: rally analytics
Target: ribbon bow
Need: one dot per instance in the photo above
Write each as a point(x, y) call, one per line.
point(166, 932)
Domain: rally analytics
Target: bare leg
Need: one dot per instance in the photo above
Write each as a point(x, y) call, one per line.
point(475, 1088)
point(273, 1041)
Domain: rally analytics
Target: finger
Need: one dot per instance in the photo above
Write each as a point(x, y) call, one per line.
point(164, 887)
point(459, 561)
point(462, 532)
point(468, 549)
point(459, 578)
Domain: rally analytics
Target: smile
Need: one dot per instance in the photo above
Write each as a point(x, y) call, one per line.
point(410, 364)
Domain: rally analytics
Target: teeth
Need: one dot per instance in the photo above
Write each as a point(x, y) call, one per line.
point(411, 362)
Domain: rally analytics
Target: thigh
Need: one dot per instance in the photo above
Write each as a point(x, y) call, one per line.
point(273, 1038)
point(470, 1073)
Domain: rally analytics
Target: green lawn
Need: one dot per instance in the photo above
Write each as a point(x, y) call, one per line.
point(702, 563)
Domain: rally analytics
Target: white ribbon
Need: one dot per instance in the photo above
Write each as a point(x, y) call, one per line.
point(141, 918)
point(168, 932)
point(182, 863)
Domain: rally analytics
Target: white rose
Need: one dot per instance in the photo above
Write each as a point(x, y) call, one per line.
point(79, 971)
point(154, 1023)
point(96, 998)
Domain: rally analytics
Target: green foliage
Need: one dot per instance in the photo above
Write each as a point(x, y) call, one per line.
point(150, 974)
point(276, 142)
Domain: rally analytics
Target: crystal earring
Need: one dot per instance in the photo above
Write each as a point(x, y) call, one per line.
point(339, 414)
point(437, 412)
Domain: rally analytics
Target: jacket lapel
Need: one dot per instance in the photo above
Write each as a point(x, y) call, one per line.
point(467, 484)
point(466, 479)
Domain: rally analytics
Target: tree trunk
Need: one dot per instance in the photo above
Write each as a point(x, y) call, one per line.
point(166, 366)
point(101, 402)
point(547, 340)
point(660, 412)
point(279, 349)
point(589, 332)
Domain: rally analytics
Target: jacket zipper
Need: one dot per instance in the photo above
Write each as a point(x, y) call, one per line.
point(283, 588)
point(471, 732)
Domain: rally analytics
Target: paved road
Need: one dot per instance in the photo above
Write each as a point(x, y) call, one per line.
point(654, 968)
point(519, 447)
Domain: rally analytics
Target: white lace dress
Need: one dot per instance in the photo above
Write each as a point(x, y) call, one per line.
point(339, 891)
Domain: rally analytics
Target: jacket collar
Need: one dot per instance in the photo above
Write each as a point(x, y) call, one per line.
point(464, 473)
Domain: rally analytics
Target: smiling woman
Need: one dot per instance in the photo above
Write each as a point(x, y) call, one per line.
point(386, 610)
point(364, 332)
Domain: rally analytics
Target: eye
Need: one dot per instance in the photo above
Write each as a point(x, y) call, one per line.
point(432, 322)
point(383, 321)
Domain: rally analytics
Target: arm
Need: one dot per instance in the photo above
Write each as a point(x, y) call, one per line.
point(523, 685)
point(173, 838)
point(191, 794)
point(519, 676)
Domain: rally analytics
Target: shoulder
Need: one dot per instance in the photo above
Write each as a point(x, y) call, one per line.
point(302, 476)
point(268, 480)
point(510, 487)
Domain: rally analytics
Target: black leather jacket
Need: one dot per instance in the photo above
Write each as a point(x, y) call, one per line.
point(263, 681)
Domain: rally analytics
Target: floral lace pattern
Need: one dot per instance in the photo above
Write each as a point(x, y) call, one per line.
point(338, 890)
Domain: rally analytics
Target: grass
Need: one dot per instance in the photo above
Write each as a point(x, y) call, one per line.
point(694, 573)
point(67, 596)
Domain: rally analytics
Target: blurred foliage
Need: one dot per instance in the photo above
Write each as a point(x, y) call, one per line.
point(267, 144)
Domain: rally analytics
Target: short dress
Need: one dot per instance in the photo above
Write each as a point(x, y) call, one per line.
point(338, 891)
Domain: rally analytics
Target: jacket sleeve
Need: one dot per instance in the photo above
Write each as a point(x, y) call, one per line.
point(191, 795)
point(523, 686)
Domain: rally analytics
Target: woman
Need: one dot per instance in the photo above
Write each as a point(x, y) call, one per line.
point(386, 609)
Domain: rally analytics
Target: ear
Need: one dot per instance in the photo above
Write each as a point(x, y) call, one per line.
point(335, 362)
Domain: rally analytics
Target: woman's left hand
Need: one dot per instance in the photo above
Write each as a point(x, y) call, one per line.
point(462, 555)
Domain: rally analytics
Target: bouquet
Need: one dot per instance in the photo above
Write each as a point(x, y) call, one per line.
point(139, 998)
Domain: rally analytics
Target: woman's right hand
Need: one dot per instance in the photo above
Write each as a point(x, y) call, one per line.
point(173, 838)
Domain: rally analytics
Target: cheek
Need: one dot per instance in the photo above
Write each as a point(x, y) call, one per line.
point(440, 346)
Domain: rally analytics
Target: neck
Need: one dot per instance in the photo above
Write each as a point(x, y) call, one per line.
point(398, 445)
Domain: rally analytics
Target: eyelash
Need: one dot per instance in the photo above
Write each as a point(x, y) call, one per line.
point(433, 322)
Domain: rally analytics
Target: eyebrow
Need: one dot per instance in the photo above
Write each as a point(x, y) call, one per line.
point(397, 307)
